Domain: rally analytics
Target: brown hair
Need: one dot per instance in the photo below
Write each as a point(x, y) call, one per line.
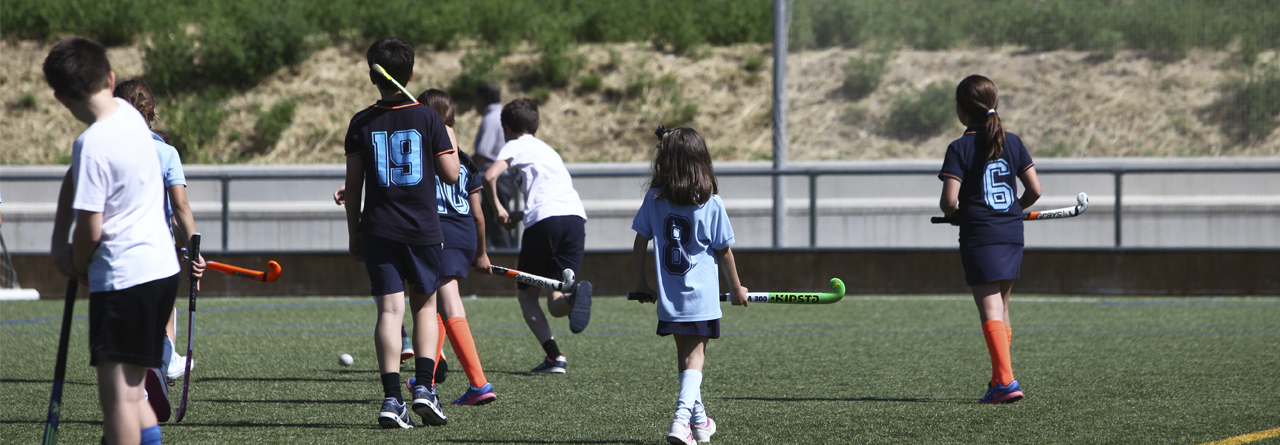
point(395, 56)
point(77, 68)
point(520, 116)
point(682, 170)
point(138, 94)
point(441, 102)
point(976, 98)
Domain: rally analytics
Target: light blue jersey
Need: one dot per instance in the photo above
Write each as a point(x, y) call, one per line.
point(170, 168)
point(685, 241)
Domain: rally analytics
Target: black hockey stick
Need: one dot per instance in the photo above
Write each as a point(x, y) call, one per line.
point(191, 326)
point(60, 369)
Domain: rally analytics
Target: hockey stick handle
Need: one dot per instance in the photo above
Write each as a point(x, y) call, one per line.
point(534, 280)
point(272, 273)
point(393, 80)
point(1082, 204)
point(837, 287)
point(60, 366)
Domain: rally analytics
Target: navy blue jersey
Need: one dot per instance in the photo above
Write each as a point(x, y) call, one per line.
point(454, 206)
point(399, 141)
point(989, 211)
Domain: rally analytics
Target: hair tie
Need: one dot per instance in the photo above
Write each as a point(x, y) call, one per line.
point(991, 111)
point(661, 131)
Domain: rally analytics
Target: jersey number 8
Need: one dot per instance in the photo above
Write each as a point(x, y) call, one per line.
point(676, 232)
point(999, 196)
point(399, 160)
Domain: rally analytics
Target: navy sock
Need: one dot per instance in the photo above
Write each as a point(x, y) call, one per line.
point(391, 386)
point(424, 370)
point(151, 436)
point(552, 350)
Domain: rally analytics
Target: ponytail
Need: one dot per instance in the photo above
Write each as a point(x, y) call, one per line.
point(976, 98)
point(993, 138)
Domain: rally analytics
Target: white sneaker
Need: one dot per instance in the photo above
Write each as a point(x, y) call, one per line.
point(702, 432)
point(680, 433)
point(177, 367)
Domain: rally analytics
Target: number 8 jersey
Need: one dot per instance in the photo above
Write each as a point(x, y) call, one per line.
point(398, 141)
point(989, 211)
point(685, 239)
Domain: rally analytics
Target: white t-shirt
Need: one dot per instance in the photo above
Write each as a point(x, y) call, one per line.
point(117, 173)
point(548, 189)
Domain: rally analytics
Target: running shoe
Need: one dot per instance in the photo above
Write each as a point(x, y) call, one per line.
point(580, 307)
point(394, 414)
point(550, 366)
point(680, 433)
point(702, 431)
point(997, 393)
point(178, 367)
point(406, 349)
point(477, 396)
point(427, 405)
point(158, 394)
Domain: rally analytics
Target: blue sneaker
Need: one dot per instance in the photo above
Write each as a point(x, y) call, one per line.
point(394, 414)
point(477, 396)
point(997, 393)
point(550, 366)
point(427, 406)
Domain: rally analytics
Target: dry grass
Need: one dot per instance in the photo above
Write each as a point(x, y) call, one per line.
point(1060, 102)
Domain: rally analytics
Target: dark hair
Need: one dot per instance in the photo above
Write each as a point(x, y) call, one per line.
point(976, 98)
point(77, 68)
point(487, 93)
point(682, 170)
point(520, 116)
point(441, 102)
point(395, 56)
point(138, 94)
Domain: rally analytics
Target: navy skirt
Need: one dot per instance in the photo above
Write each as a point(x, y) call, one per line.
point(992, 262)
point(708, 328)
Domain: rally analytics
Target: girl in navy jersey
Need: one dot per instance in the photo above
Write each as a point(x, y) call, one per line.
point(979, 189)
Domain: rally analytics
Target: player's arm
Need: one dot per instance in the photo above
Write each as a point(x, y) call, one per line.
point(638, 253)
point(950, 196)
point(59, 247)
point(353, 195)
point(482, 256)
point(447, 163)
point(85, 239)
point(491, 189)
point(737, 293)
point(1030, 187)
point(186, 224)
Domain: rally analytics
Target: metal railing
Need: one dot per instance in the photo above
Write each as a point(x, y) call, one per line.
point(812, 174)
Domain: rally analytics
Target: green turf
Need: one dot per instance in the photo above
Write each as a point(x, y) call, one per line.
point(865, 370)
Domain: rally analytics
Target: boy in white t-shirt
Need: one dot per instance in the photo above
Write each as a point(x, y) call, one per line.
point(121, 245)
point(555, 226)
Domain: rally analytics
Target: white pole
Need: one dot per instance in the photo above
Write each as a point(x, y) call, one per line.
point(779, 122)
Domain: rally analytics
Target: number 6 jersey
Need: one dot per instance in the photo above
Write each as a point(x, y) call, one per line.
point(685, 239)
point(398, 141)
point(989, 211)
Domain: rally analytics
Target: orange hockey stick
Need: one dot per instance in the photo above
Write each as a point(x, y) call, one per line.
point(272, 273)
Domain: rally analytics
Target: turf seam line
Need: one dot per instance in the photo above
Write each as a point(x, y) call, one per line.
point(1246, 438)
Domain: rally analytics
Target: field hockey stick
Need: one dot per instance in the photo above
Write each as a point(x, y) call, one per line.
point(191, 329)
point(272, 273)
point(1082, 203)
point(60, 368)
point(837, 287)
point(534, 280)
point(393, 80)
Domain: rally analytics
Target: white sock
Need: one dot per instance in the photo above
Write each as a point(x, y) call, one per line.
point(699, 412)
point(169, 353)
point(690, 392)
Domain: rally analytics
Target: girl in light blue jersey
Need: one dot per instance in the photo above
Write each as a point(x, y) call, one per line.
point(691, 232)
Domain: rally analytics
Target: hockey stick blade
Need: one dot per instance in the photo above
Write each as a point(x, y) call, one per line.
point(60, 366)
point(1082, 204)
point(272, 274)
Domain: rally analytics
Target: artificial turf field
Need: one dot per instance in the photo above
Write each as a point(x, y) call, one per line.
point(864, 370)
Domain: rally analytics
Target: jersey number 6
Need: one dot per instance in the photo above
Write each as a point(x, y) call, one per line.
point(999, 196)
point(399, 160)
point(676, 232)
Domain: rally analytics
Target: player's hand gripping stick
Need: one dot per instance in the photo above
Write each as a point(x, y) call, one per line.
point(1082, 203)
point(272, 273)
point(837, 293)
point(533, 280)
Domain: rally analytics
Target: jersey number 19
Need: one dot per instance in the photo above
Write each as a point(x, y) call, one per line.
point(398, 159)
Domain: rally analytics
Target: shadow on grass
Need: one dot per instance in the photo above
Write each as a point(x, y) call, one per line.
point(848, 399)
point(275, 379)
point(628, 441)
point(345, 426)
point(334, 402)
point(48, 382)
point(42, 422)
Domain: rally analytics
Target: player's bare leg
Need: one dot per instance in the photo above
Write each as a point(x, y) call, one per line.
point(557, 304)
point(426, 337)
point(125, 411)
point(386, 334)
point(425, 330)
point(690, 414)
point(993, 309)
point(533, 315)
point(1006, 287)
point(991, 304)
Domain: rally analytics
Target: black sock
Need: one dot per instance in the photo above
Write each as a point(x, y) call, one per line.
point(552, 350)
point(391, 386)
point(424, 371)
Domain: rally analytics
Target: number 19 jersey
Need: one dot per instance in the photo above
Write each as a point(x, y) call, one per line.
point(989, 209)
point(398, 141)
point(685, 239)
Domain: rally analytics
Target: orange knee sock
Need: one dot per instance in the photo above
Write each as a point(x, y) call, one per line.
point(439, 343)
point(465, 348)
point(998, 346)
point(1008, 330)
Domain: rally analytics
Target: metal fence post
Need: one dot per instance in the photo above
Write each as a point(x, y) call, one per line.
point(779, 122)
point(1119, 174)
point(226, 212)
point(813, 210)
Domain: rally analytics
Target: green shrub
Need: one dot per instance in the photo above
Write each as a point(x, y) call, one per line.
point(272, 123)
point(590, 83)
point(193, 121)
point(754, 63)
point(559, 63)
point(1251, 104)
point(862, 76)
point(637, 84)
point(540, 95)
point(26, 102)
point(920, 114)
point(481, 64)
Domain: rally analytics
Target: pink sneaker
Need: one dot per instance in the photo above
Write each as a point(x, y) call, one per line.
point(680, 433)
point(702, 432)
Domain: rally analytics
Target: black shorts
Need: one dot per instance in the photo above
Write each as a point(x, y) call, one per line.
point(456, 262)
point(708, 328)
point(990, 263)
point(552, 245)
point(127, 325)
point(391, 263)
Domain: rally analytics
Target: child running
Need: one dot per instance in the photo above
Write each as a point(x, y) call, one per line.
point(685, 217)
point(394, 149)
point(990, 218)
point(464, 245)
point(121, 245)
point(177, 210)
point(555, 226)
